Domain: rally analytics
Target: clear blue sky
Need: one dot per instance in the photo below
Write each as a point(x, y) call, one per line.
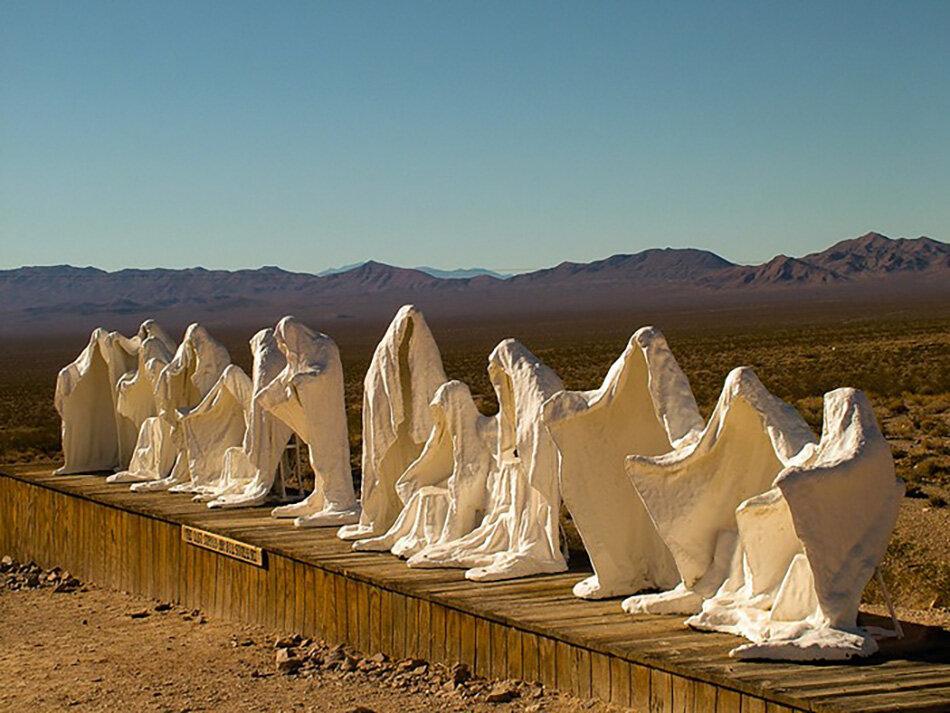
point(507, 135)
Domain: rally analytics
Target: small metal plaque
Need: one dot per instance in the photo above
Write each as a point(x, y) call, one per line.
point(223, 545)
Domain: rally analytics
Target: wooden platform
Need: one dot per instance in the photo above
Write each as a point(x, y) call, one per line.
point(312, 583)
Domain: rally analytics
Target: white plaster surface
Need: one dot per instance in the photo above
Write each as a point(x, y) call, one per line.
point(95, 435)
point(519, 534)
point(644, 406)
point(403, 375)
point(197, 365)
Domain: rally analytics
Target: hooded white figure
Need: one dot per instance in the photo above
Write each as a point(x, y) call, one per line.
point(182, 384)
point(221, 420)
point(307, 395)
point(810, 544)
point(444, 490)
point(644, 406)
point(403, 375)
point(249, 470)
point(692, 492)
point(520, 532)
point(153, 455)
point(94, 435)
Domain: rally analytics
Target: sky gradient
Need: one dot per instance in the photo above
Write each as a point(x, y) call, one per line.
point(503, 135)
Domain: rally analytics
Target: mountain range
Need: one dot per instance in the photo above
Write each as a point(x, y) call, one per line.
point(52, 298)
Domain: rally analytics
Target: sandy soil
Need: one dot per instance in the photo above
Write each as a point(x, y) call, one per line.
point(83, 650)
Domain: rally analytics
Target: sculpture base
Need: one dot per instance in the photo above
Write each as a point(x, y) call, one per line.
point(308, 581)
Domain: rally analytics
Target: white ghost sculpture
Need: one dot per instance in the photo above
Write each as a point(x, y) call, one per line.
point(644, 406)
point(249, 470)
point(182, 384)
point(810, 544)
point(520, 532)
point(444, 490)
point(307, 395)
point(221, 420)
point(153, 455)
point(95, 436)
point(403, 375)
point(692, 492)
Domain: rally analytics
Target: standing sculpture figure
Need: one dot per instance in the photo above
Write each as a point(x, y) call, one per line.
point(249, 470)
point(644, 406)
point(403, 375)
point(520, 532)
point(181, 386)
point(444, 491)
point(307, 395)
point(95, 435)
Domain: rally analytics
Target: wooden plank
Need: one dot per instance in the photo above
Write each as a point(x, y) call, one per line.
point(515, 668)
point(564, 666)
point(728, 701)
point(375, 642)
point(499, 651)
point(467, 647)
point(752, 704)
point(661, 692)
point(453, 636)
point(531, 656)
point(600, 676)
point(640, 688)
point(582, 667)
point(483, 651)
point(620, 682)
point(704, 697)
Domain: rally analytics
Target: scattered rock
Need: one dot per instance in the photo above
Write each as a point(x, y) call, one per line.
point(162, 606)
point(360, 709)
point(503, 692)
point(287, 642)
point(140, 614)
point(6, 563)
point(460, 674)
point(287, 663)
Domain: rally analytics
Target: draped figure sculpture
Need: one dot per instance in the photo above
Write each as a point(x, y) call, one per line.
point(444, 490)
point(153, 455)
point(222, 418)
point(182, 384)
point(811, 543)
point(644, 406)
point(307, 396)
point(519, 534)
point(403, 375)
point(692, 492)
point(95, 436)
point(248, 471)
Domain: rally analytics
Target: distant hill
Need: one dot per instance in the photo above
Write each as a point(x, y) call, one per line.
point(457, 274)
point(63, 297)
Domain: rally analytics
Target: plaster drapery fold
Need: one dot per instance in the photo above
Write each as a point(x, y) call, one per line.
point(307, 396)
point(520, 532)
point(444, 490)
point(403, 375)
point(182, 384)
point(95, 435)
point(644, 406)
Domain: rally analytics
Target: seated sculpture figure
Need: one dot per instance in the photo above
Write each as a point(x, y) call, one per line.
point(403, 375)
point(307, 396)
point(182, 384)
point(809, 545)
point(95, 435)
point(152, 455)
point(519, 534)
point(220, 421)
point(444, 490)
point(692, 492)
point(248, 471)
point(644, 406)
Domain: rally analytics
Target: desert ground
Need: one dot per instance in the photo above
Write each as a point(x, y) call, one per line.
point(77, 647)
point(901, 358)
